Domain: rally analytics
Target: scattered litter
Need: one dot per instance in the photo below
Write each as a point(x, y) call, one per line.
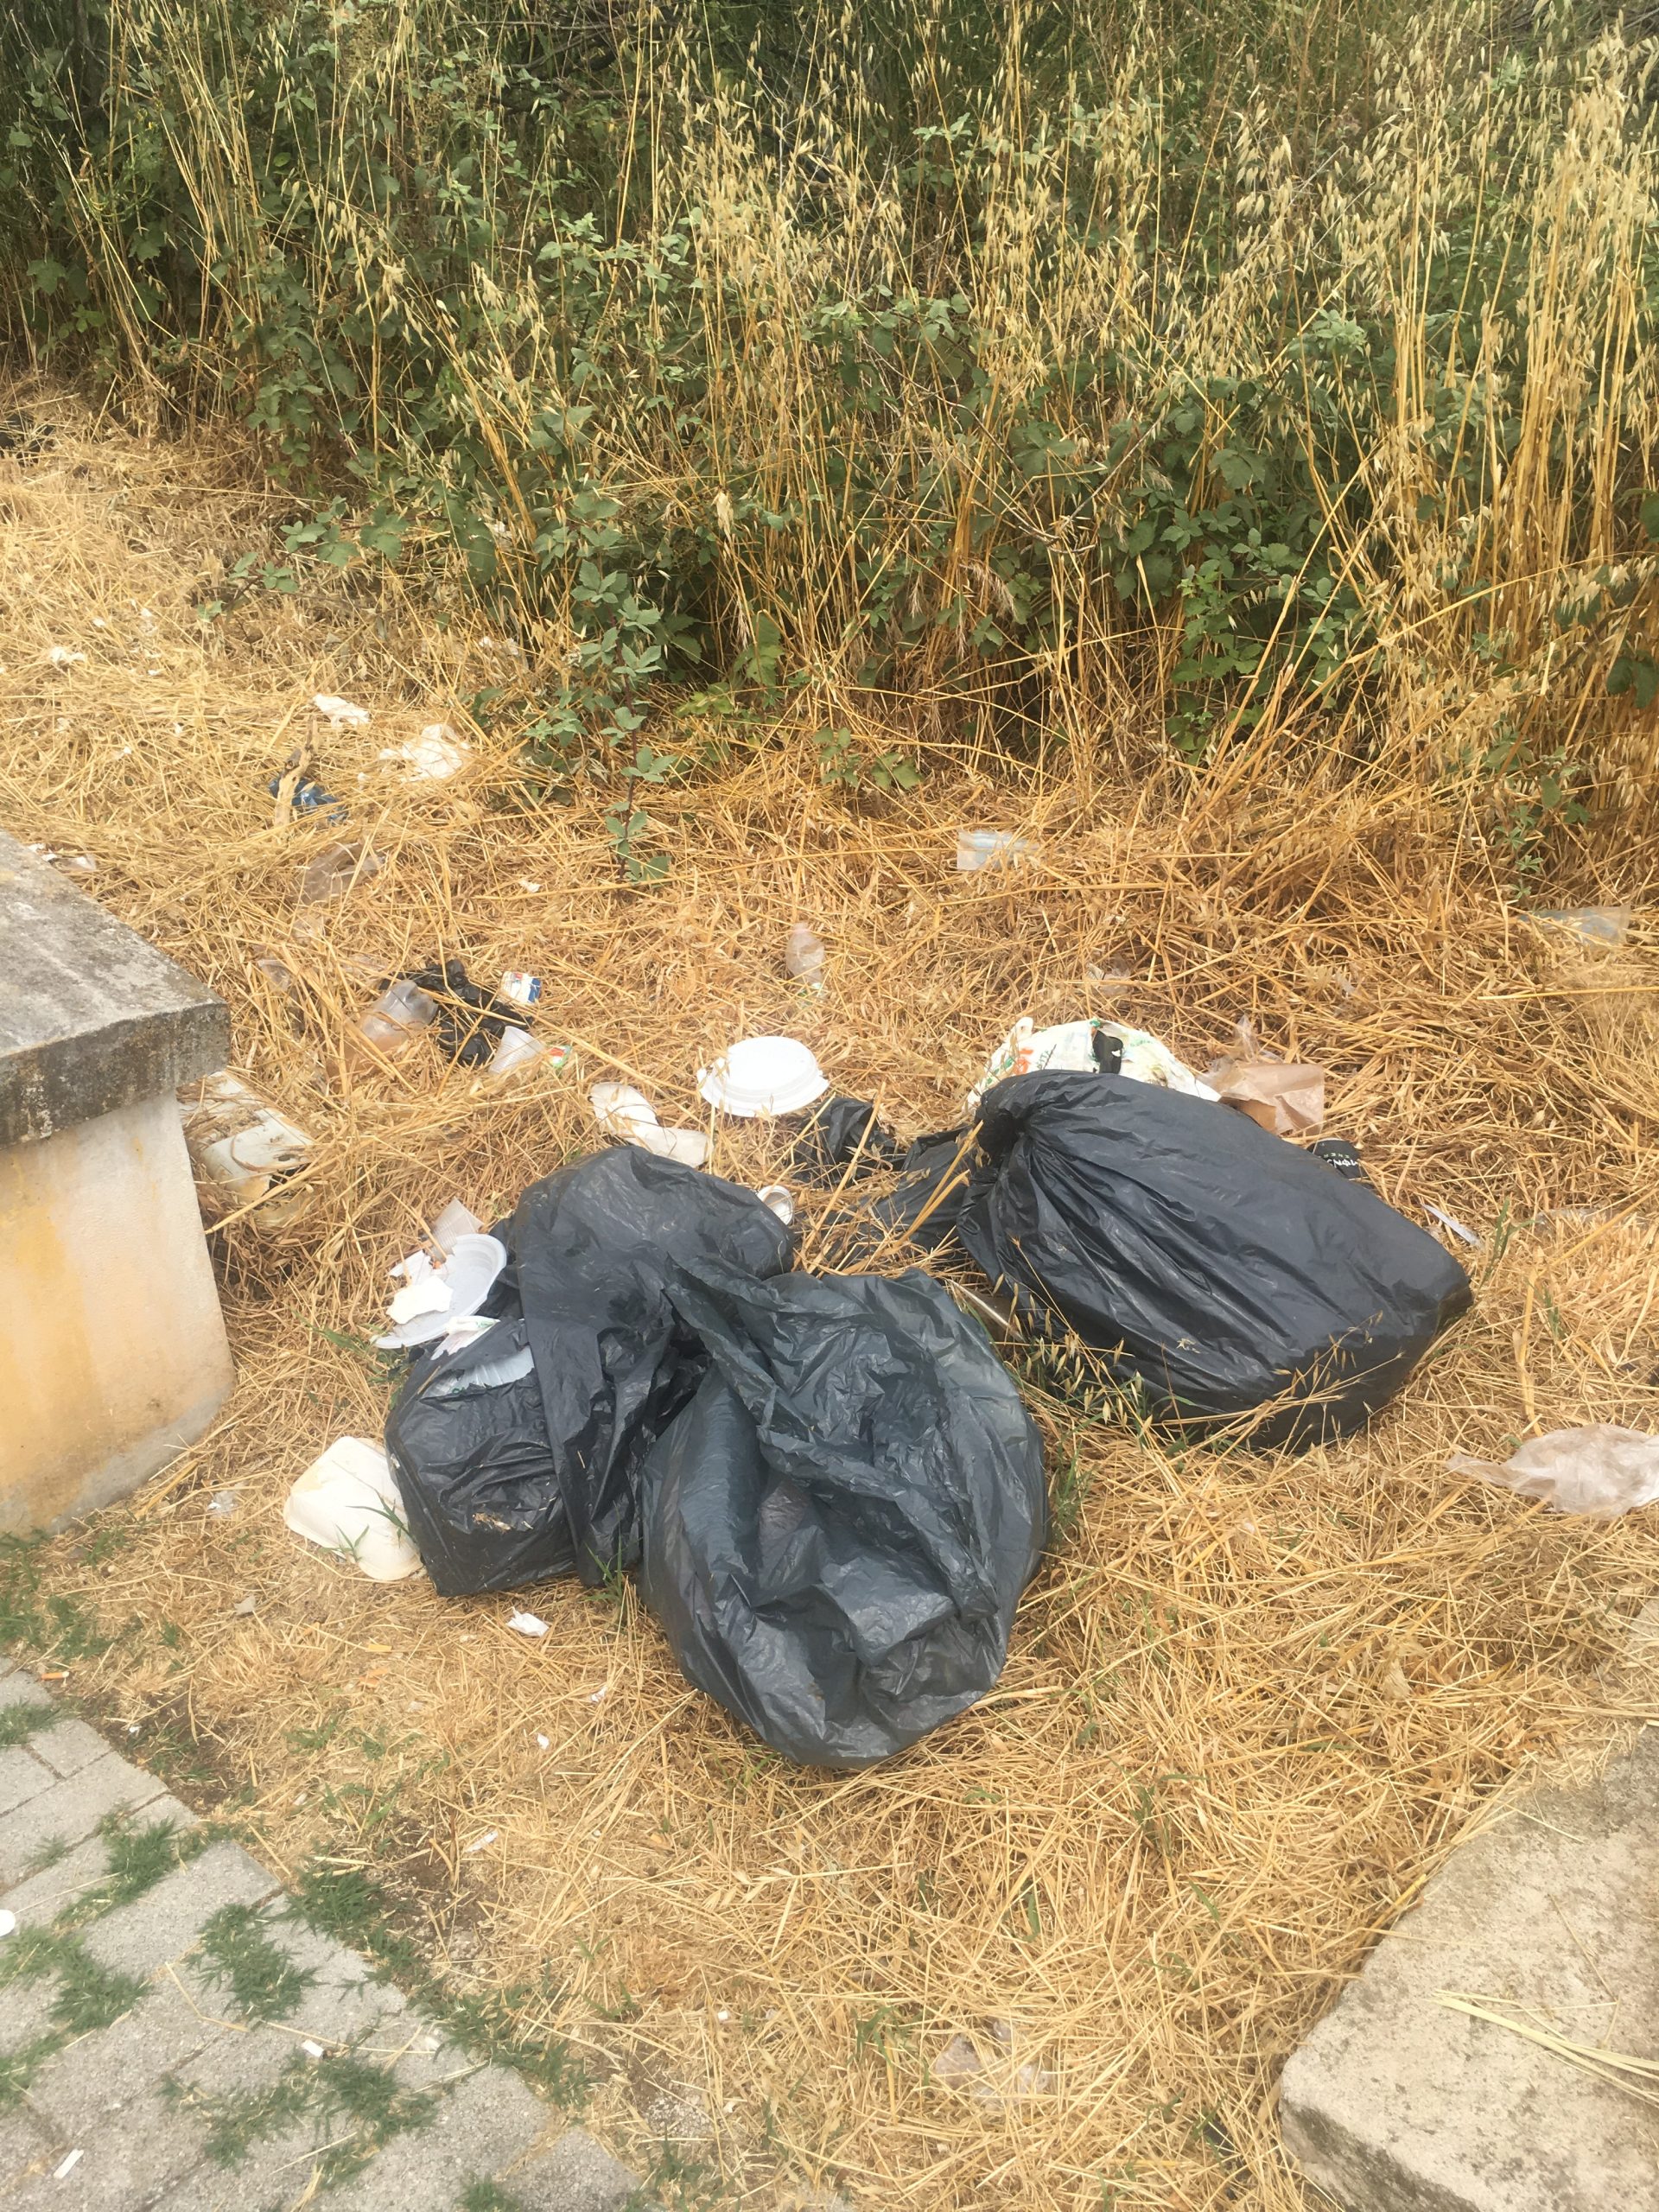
point(1216, 1270)
point(1112, 979)
point(959, 2066)
point(1284, 1096)
point(433, 1297)
point(1338, 1153)
point(456, 1222)
point(298, 793)
point(61, 657)
point(762, 1076)
point(804, 956)
point(396, 1021)
point(7, 1921)
point(525, 884)
point(522, 988)
point(627, 1115)
point(842, 1132)
point(67, 863)
point(1080, 1047)
point(62, 2172)
point(1600, 1470)
point(845, 1634)
point(545, 1742)
point(341, 713)
point(242, 1152)
point(470, 1020)
point(780, 1200)
point(334, 873)
point(1450, 1222)
point(527, 1623)
point(490, 1836)
point(517, 1048)
point(312, 2050)
point(978, 848)
point(348, 1502)
point(433, 757)
point(513, 1484)
point(244, 1608)
point(1590, 925)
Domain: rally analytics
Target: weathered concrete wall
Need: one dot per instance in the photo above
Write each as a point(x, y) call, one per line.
point(113, 1348)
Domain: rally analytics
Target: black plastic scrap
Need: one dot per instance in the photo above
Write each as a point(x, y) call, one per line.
point(469, 1019)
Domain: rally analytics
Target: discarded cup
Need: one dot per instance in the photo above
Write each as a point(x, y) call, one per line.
point(348, 1502)
point(978, 848)
point(804, 956)
point(627, 1115)
point(334, 873)
point(515, 1049)
point(780, 1198)
point(391, 1025)
point(763, 1075)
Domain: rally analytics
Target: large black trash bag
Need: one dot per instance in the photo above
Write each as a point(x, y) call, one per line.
point(593, 1247)
point(1210, 1263)
point(467, 1441)
point(839, 1526)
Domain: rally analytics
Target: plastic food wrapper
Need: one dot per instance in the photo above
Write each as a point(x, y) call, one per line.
point(1212, 1266)
point(840, 1525)
point(628, 1115)
point(1590, 925)
point(348, 1502)
point(1601, 1470)
point(518, 1455)
point(1077, 1047)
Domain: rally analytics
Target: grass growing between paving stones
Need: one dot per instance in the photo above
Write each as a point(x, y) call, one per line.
point(240, 1957)
point(88, 1997)
point(351, 2106)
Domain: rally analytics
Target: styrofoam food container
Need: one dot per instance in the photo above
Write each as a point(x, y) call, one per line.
point(348, 1502)
point(763, 1075)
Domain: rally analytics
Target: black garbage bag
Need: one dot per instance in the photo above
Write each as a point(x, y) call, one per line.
point(839, 1524)
point(470, 1020)
point(1210, 1263)
point(839, 1133)
point(467, 1441)
point(593, 1247)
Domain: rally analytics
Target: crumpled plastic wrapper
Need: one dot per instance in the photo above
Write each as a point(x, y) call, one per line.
point(1601, 1470)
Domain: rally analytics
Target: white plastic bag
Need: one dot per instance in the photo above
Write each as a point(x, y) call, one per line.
point(1601, 1470)
point(1070, 1046)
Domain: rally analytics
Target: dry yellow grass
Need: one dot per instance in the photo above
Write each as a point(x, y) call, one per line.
point(1251, 1699)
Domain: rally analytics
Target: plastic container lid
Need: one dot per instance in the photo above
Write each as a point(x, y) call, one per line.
point(348, 1502)
point(763, 1075)
point(471, 1267)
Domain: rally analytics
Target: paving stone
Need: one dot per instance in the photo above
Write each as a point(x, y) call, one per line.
point(421, 2055)
point(26, 2011)
point(22, 1776)
point(234, 2062)
point(127, 2160)
point(1396, 2103)
point(19, 1687)
point(42, 1896)
point(69, 1811)
point(343, 2002)
point(76, 2091)
point(25, 2146)
point(166, 1921)
point(67, 1746)
point(478, 2128)
point(577, 2175)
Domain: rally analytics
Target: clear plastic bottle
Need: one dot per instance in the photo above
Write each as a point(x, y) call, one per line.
point(391, 1024)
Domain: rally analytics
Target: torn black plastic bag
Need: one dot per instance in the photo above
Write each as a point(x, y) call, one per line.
point(840, 1525)
point(842, 1135)
point(467, 1441)
point(593, 1247)
point(1210, 1263)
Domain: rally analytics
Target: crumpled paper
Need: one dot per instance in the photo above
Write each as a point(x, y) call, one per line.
point(1284, 1096)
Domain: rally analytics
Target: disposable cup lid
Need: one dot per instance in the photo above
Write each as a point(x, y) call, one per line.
point(764, 1075)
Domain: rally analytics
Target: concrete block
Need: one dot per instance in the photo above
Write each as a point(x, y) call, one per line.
point(54, 1889)
point(480, 2126)
point(19, 1687)
point(577, 2175)
point(26, 2147)
point(93, 1018)
point(68, 1812)
point(167, 1920)
point(1396, 2103)
point(67, 1746)
point(126, 2163)
point(22, 1776)
point(26, 2011)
